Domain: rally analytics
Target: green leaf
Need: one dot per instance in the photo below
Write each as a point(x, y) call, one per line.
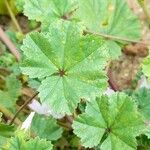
point(3, 141)
point(142, 96)
point(49, 10)
point(146, 131)
point(38, 144)
point(64, 57)
point(14, 143)
point(112, 123)
point(11, 92)
point(146, 67)
point(19, 143)
point(6, 130)
point(46, 127)
point(112, 49)
point(19, 5)
point(112, 17)
point(143, 143)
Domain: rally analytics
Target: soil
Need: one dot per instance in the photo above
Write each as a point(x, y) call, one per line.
point(6, 23)
point(124, 70)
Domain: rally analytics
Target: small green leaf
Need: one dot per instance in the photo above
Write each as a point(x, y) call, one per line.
point(112, 17)
point(11, 92)
point(142, 96)
point(110, 122)
point(46, 127)
point(72, 65)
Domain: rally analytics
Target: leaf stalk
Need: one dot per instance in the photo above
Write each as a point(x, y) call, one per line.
point(22, 107)
point(111, 37)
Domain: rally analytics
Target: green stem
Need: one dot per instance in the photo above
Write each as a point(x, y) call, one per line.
point(13, 16)
point(116, 37)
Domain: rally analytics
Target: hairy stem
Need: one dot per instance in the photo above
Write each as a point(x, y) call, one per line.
point(116, 37)
point(23, 106)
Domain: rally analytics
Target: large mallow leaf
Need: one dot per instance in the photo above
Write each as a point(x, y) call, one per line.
point(110, 123)
point(112, 17)
point(70, 64)
point(47, 11)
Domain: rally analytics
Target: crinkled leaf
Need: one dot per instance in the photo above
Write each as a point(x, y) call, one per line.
point(71, 63)
point(19, 143)
point(46, 127)
point(114, 117)
point(15, 143)
point(48, 11)
point(146, 67)
point(112, 17)
point(38, 144)
point(11, 92)
point(142, 96)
